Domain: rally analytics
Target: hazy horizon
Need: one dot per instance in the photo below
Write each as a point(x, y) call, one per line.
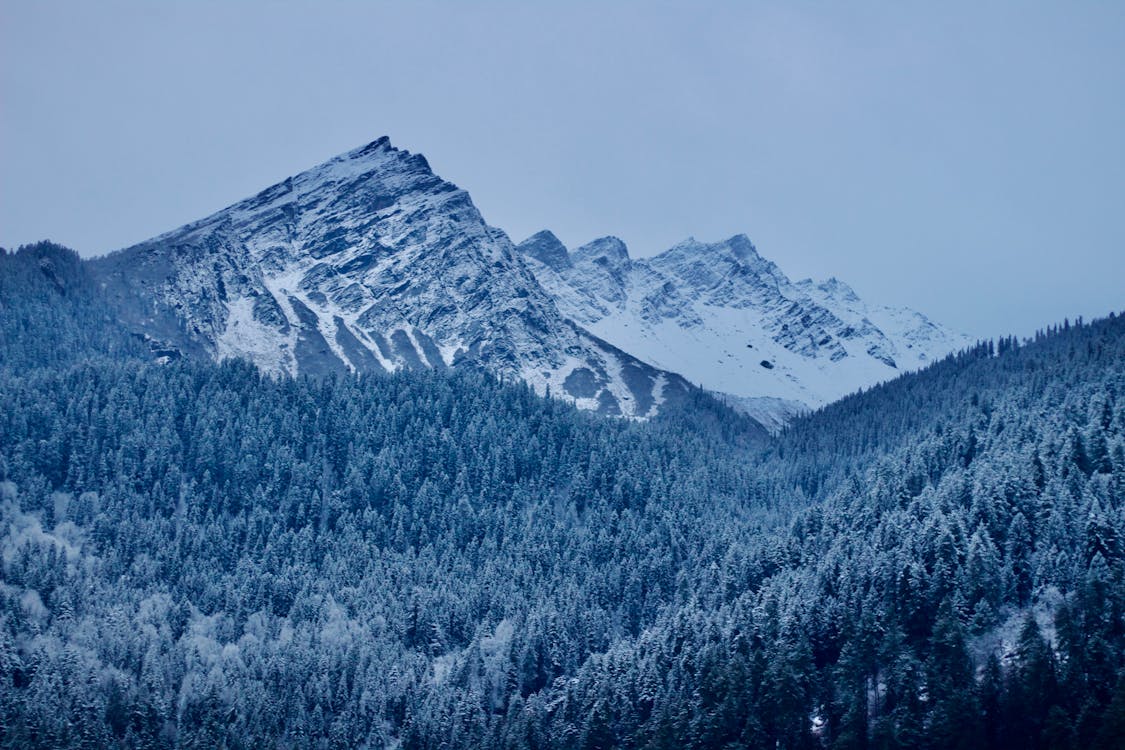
point(965, 162)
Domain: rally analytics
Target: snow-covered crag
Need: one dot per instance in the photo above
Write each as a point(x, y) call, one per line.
point(368, 262)
point(731, 321)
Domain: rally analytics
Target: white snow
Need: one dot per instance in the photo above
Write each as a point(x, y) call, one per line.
point(246, 337)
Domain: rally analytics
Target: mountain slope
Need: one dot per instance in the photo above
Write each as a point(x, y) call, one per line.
point(730, 320)
point(368, 262)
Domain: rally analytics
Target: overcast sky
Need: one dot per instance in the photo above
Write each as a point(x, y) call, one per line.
point(964, 159)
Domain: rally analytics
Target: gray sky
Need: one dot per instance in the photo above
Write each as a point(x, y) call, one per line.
point(965, 159)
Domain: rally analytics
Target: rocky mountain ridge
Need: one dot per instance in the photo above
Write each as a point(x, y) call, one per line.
point(732, 321)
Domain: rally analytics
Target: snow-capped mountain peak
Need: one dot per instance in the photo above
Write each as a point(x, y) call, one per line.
point(609, 251)
point(831, 288)
point(546, 248)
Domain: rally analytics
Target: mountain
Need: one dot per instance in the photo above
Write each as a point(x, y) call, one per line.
point(730, 320)
point(368, 262)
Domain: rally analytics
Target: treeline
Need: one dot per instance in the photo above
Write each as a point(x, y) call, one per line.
point(194, 555)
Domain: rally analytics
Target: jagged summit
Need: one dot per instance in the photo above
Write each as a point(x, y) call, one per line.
point(546, 248)
point(610, 250)
point(368, 261)
point(379, 145)
point(738, 246)
point(341, 171)
point(831, 287)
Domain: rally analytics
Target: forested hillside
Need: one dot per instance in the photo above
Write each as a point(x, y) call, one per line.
point(957, 580)
point(52, 313)
point(195, 555)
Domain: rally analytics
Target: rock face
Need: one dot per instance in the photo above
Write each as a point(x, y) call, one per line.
point(730, 320)
point(369, 262)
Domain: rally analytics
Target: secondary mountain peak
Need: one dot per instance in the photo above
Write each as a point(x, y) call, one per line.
point(610, 250)
point(832, 287)
point(737, 246)
point(546, 248)
point(736, 251)
point(731, 320)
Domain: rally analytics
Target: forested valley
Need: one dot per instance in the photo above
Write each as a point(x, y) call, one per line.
point(196, 555)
